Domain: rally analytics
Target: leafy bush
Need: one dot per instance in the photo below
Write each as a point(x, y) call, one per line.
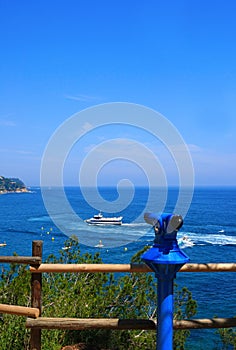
point(83, 295)
point(228, 338)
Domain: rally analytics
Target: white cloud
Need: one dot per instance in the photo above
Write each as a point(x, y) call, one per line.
point(7, 123)
point(14, 151)
point(81, 98)
point(194, 148)
point(214, 168)
point(24, 152)
point(115, 146)
point(87, 126)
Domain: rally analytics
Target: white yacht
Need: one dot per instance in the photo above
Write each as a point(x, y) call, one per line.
point(99, 219)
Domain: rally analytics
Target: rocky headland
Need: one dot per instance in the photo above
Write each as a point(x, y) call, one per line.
point(12, 185)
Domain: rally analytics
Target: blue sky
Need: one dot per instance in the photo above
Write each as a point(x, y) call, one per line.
point(176, 57)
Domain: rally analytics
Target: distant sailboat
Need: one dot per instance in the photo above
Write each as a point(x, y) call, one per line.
point(99, 245)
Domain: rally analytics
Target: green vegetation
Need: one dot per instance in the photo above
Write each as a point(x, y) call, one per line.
point(11, 185)
point(88, 295)
point(228, 338)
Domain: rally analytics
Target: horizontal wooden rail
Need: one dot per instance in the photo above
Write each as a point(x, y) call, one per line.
point(119, 324)
point(91, 268)
point(205, 323)
point(211, 267)
point(30, 260)
point(19, 310)
point(89, 323)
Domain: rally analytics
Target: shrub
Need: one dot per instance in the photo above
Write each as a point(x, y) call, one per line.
point(82, 295)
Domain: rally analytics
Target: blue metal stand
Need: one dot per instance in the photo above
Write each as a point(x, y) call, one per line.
point(165, 314)
point(165, 258)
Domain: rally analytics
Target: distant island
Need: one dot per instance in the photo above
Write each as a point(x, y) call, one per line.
point(9, 185)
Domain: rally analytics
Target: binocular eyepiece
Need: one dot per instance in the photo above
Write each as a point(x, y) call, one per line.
point(164, 223)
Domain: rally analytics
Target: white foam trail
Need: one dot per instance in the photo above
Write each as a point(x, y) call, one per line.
point(214, 239)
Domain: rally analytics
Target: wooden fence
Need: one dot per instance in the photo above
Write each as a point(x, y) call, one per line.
point(36, 322)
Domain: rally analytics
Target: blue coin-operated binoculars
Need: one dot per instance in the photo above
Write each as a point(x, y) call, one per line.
point(165, 258)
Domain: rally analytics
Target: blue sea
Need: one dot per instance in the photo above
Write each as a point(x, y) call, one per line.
point(210, 226)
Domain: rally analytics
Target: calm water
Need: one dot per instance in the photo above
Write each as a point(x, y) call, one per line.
point(210, 226)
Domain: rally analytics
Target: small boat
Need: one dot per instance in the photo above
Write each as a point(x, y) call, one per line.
point(99, 219)
point(3, 244)
point(185, 242)
point(99, 245)
point(66, 248)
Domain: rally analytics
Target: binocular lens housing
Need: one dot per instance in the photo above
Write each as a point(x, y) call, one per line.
point(174, 224)
point(167, 223)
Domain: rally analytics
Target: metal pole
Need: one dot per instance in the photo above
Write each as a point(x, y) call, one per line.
point(165, 314)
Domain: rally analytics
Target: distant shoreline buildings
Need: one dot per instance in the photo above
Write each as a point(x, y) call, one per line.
point(11, 185)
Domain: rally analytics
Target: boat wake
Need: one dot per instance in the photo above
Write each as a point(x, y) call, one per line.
point(185, 242)
point(210, 239)
point(127, 232)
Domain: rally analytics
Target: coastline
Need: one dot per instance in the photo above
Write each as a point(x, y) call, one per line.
point(20, 190)
point(12, 185)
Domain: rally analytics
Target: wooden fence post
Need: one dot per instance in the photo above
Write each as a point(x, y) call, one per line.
point(36, 295)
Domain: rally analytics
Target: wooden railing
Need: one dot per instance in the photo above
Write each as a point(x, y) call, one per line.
point(36, 322)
